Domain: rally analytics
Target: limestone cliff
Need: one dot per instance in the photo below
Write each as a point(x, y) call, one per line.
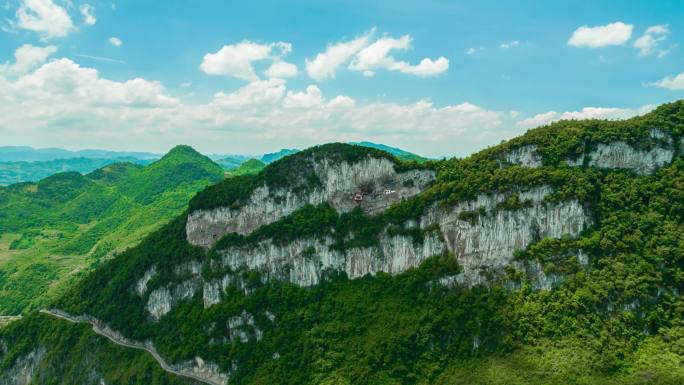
point(613, 155)
point(375, 178)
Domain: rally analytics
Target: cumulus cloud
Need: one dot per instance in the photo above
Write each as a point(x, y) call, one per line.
point(88, 13)
point(617, 33)
point(62, 103)
point(584, 113)
point(509, 44)
point(367, 56)
point(648, 43)
point(377, 56)
point(115, 41)
point(326, 63)
point(674, 83)
point(281, 69)
point(63, 82)
point(26, 58)
point(44, 17)
point(236, 60)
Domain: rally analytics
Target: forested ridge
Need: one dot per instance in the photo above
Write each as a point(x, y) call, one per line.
point(616, 318)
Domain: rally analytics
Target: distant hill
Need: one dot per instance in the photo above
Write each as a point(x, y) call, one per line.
point(272, 157)
point(54, 228)
point(230, 163)
point(399, 153)
point(30, 154)
point(251, 166)
point(22, 171)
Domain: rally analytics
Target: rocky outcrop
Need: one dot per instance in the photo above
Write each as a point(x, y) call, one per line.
point(489, 241)
point(304, 261)
point(483, 241)
point(141, 285)
point(243, 328)
point(620, 155)
point(524, 156)
point(613, 155)
point(24, 368)
point(162, 300)
point(376, 178)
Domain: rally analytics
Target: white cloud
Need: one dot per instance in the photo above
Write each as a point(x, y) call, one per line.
point(115, 41)
point(509, 44)
point(674, 83)
point(236, 60)
point(63, 82)
point(584, 113)
point(281, 69)
point(260, 95)
point(27, 57)
point(64, 104)
point(617, 33)
point(88, 12)
point(311, 98)
point(471, 51)
point(648, 43)
point(377, 56)
point(44, 17)
point(326, 63)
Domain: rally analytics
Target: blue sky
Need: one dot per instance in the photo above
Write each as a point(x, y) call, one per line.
point(434, 77)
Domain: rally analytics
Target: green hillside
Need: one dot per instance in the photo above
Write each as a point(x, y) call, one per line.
point(612, 315)
point(251, 166)
point(56, 227)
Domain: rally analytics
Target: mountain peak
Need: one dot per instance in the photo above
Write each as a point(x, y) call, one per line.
point(182, 150)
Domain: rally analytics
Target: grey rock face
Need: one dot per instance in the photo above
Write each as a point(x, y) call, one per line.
point(24, 368)
point(490, 241)
point(524, 156)
point(485, 243)
point(375, 177)
point(619, 155)
point(614, 155)
point(141, 285)
point(162, 300)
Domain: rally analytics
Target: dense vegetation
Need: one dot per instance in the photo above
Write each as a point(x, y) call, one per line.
point(54, 228)
point(617, 320)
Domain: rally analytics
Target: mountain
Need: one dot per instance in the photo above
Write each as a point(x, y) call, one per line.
point(399, 153)
point(251, 166)
point(57, 227)
point(230, 163)
point(272, 157)
point(20, 171)
point(30, 154)
point(554, 258)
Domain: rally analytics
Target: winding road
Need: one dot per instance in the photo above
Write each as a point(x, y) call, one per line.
point(134, 345)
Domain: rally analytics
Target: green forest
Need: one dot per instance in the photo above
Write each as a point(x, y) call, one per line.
point(56, 229)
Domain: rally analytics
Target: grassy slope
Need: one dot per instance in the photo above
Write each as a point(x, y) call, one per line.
point(77, 220)
point(404, 329)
